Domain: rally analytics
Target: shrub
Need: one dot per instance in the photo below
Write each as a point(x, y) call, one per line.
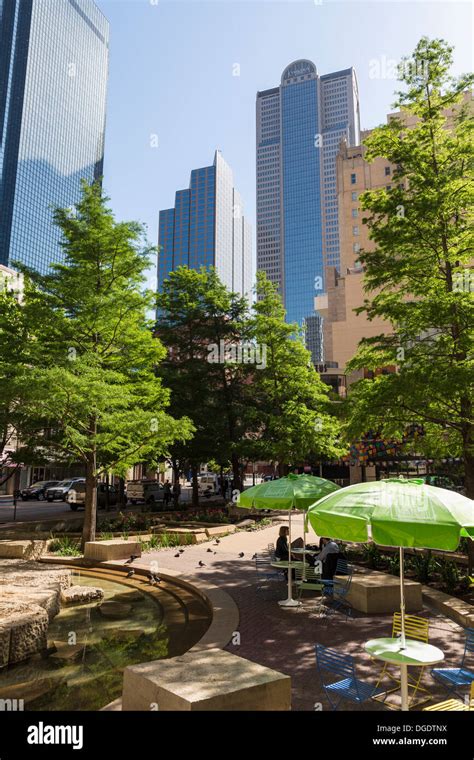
point(372, 555)
point(423, 565)
point(65, 547)
point(450, 575)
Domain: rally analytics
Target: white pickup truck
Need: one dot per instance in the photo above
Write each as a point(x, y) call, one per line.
point(144, 491)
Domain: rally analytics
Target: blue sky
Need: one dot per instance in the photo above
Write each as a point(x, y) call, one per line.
point(172, 83)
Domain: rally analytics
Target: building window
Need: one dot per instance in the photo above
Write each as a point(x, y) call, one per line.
point(353, 179)
point(354, 196)
point(388, 171)
point(355, 230)
point(356, 247)
point(355, 213)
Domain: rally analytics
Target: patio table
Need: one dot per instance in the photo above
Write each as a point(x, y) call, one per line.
point(415, 654)
point(284, 565)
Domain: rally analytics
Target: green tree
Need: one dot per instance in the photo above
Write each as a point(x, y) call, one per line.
point(198, 317)
point(93, 389)
point(293, 416)
point(14, 358)
point(418, 276)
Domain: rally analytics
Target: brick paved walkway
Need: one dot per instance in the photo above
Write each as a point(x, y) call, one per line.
point(284, 639)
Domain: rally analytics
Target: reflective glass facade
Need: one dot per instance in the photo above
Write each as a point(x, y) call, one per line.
point(53, 80)
point(299, 128)
point(207, 228)
point(302, 207)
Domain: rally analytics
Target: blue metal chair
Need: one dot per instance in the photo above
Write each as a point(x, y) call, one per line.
point(337, 590)
point(330, 662)
point(455, 678)
point(266, 574)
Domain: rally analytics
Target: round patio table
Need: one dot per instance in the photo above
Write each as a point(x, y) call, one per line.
point(283, 564)
point(414, 653)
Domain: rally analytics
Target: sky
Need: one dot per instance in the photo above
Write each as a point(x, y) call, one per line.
point(184, 75)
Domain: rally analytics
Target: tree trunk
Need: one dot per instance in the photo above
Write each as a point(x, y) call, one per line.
point(468, 450)
point(90, 506)
point(121, 493)
point(236, 473)
point(195, 473)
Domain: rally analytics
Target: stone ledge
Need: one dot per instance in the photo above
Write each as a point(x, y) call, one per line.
point(101, 551)
point(461, 612)
point(205, 680)
point(225, 530)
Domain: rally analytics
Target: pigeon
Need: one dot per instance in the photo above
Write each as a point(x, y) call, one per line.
point(177, 555)
point(241, 554)
point(130, 573)
point(210, 550)
point(254, 556)
point(154, 579)
point(218, 540)
point(201, 564)
point(132, 558)
point(181, 551)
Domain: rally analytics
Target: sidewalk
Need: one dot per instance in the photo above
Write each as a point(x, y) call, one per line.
point(284, 639)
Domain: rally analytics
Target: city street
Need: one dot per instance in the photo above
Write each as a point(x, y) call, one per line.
point(27, 511)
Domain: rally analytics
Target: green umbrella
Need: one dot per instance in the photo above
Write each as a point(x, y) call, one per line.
point(290, 492)
point(395, 512)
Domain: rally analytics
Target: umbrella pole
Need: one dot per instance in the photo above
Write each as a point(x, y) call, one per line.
point(403, 667)
point(402, 598)
point(289, 602)
point(304, 547)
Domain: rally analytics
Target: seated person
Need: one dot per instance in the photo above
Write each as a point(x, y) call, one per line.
point(328, 556)
point(282, 550)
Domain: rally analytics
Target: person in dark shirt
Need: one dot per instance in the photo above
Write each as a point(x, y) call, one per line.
point(282, 550)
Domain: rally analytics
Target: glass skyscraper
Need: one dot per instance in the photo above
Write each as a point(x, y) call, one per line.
point(53, 82)
point(299, 128)
point(207, 228)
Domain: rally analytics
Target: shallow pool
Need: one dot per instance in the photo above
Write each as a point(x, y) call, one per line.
point(90, 644)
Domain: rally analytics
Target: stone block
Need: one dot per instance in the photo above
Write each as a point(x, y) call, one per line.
point(223, 530)
point(205, 680)
point(116, 548)
point(81, 594)
point(373, 592)
point(23, 629)
point(451, 606)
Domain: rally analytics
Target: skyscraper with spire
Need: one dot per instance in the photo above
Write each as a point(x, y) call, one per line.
point(300, 125)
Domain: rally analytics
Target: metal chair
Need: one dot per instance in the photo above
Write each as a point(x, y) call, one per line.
point(454, 705)
point(455, 678)
point(307, 579)
point(337, 590)
point(415, 628)
point(266, 575)
point(330, 662)
point(271, 551)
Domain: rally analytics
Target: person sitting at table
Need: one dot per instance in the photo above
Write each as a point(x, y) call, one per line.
point(328, 556)
point(282, 550)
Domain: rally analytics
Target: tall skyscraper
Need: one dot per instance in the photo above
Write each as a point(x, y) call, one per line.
point(207, 228)
point(300, 125)
point(53, 82)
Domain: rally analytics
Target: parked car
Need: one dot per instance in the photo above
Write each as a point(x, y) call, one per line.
point(145, 491)
point(208, 485)
point(60, 490)
point(76, 496)
point(37, 490)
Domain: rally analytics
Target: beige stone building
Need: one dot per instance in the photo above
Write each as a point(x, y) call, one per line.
point(343, 329)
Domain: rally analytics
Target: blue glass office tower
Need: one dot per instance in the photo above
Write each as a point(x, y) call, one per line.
point(299, 128)
point(207, 228)
point(53, 81)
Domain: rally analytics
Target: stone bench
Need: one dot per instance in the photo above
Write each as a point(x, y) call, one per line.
point(454, 608)
point(116, 548)
point(205, 680)
point(219, 531)
point(375, 592)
